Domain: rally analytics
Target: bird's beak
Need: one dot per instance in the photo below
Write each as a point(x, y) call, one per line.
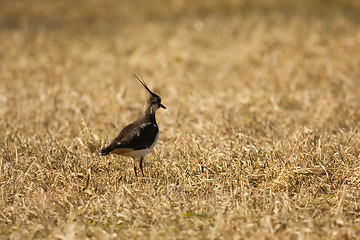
point(162, 106)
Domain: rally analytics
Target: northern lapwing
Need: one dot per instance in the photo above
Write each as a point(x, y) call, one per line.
point(138, 138)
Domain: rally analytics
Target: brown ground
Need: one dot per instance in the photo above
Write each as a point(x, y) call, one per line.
point(260, 140)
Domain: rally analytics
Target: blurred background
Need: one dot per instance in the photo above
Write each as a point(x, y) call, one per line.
point(271, 55)
point(224, 38)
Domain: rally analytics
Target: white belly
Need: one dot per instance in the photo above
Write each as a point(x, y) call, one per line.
point(143, 152)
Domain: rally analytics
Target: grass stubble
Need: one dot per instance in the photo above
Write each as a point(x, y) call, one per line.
point(260, 139)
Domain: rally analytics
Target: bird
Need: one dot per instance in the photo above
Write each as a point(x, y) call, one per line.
point(138, 138)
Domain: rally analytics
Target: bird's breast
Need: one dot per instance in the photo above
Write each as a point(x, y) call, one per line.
point(142, 152)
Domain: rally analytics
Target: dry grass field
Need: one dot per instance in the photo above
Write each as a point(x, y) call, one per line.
point(260, 139)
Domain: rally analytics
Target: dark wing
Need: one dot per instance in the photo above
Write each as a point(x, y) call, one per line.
point(134, 136)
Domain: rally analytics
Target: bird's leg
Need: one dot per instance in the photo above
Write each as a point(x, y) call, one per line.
point(134, 167)
point(141, 167)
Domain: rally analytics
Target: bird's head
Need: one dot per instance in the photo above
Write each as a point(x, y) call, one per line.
point(153, 102)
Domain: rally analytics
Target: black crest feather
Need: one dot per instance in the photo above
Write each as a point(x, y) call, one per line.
point(145, 86)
